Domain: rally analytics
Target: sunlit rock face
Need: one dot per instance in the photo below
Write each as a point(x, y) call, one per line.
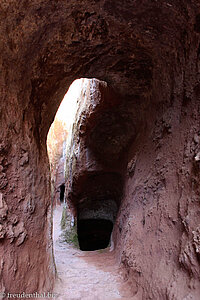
point(148, 52)
point(59, 132)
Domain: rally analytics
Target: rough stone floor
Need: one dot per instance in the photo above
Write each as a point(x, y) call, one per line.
point(91, 275)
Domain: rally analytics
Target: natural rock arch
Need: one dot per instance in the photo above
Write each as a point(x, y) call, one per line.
point(149, 53)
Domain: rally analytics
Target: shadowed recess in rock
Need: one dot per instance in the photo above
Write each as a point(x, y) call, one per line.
point(62, 192)
point(95, 223)
point(94, 234)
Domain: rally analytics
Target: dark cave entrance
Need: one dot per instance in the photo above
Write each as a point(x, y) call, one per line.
point(99, 194)
point(94, 234)
point(62, 192)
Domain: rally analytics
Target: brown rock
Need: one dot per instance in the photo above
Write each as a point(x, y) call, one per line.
point(10, 233)
point(29, 204)
point(196, 239)
point(148, 52)
point(24, 160)
point(3, 208)
point(2, 232)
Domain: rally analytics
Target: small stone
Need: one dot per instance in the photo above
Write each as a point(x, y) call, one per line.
point(196, 138)
point(131, 166)
point(18, 229)
point(1, 200)
point(3, 214)
point(14, 219)
point(24, 160)
point(21, 238)
point(10, 233)
point(196, 239)
point(3, 208)
point(3, 181)
point(2, 232)
point(29, 204)
point(197, 157)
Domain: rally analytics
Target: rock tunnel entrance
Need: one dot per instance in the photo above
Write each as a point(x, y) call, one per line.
point(97, 209)
point(62, 192)
point(88, 159)
point(94, 234)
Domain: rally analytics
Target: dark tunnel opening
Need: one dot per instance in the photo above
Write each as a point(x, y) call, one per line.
point(62, 192)
point(94, 234)
point(99, 196)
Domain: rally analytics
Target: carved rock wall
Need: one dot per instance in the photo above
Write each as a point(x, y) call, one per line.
point(148, 51)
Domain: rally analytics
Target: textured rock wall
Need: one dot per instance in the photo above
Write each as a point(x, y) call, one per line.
point(25, 224)
point(157, 230)
point(149, 52)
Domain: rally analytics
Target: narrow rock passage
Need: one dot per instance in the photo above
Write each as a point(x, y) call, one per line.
point(91, 275)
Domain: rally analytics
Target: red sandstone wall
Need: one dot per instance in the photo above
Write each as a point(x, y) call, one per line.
point(149, 52)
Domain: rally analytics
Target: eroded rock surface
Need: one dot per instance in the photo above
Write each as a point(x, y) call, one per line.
point(148, 51)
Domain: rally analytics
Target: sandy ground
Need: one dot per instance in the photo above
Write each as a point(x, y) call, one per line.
point(91, 275)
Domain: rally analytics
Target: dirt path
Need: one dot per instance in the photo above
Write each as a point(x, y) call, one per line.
point(90, 275)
